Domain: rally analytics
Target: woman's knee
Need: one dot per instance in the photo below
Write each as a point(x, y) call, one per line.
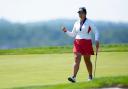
point(77, 58)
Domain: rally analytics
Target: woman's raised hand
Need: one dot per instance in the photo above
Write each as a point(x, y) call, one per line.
point(64, 29)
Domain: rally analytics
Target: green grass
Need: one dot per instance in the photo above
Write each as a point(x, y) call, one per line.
point(96, 83)
point(62, 49)
point(51, 69)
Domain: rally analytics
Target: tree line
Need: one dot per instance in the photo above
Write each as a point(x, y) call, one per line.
point(48, 33)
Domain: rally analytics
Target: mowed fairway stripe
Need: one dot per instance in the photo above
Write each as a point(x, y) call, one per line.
point(29, 70)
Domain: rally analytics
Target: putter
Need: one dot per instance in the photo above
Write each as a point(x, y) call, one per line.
point(95, 62)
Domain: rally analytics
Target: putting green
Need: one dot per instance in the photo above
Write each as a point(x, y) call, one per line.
point(47, 69)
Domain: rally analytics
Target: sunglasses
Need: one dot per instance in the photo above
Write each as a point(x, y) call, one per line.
point(81, 12)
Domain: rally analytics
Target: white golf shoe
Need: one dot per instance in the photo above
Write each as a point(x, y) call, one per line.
point(90, 78)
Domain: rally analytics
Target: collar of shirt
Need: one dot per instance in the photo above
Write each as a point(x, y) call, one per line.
point(82, 22)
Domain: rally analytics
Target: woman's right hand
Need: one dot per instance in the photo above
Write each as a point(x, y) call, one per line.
point(97, 47)
point(64, 29)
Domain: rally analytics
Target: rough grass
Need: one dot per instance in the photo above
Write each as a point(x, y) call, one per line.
point(104, 82)
point(62, 49)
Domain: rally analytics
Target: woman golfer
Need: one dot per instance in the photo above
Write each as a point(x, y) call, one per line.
point(83, 43)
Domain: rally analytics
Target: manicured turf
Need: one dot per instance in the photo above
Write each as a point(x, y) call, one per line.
point(48, 69)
